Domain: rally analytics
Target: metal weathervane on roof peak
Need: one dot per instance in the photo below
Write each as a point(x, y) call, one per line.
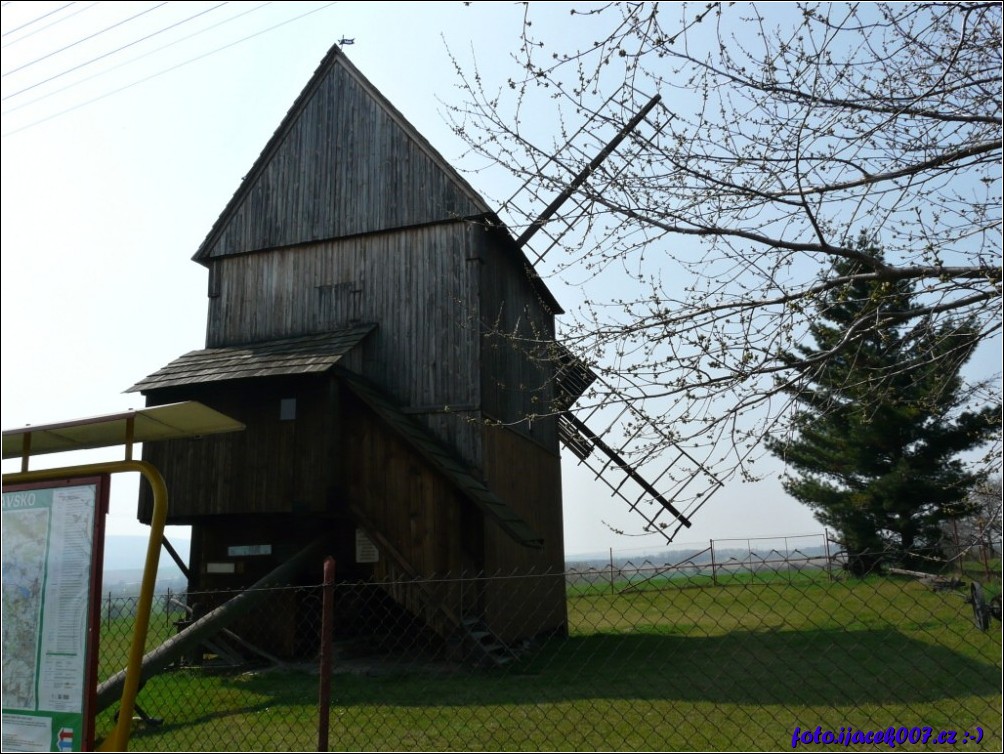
point(652, 483)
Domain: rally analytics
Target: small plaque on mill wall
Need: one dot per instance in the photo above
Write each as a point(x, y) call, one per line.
point(366, 551)
point(237, 551)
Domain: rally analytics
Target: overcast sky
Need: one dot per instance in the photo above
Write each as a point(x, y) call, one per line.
point(116, 162)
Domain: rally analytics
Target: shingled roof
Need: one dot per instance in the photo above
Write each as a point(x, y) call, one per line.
point(302, 355)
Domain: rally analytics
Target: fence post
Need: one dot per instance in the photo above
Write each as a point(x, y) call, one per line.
point(613, 589)
point(983, 549)
point(787, 559)
point(714, 572)
point(749, 549)
point(958, 549)
point(324, 686)
point(829, 563)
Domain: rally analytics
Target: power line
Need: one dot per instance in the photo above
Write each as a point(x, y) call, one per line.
point(106, 71)
point(80, 41)
point(36, 20)
point(105, 55)
point(30, 34)
point(166, 70)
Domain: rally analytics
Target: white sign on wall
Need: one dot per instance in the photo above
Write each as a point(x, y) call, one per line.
point(366, 551)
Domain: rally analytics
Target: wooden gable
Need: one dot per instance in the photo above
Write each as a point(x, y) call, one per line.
point(343, 162)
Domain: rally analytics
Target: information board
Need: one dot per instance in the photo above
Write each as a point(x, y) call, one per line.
point(52, 542)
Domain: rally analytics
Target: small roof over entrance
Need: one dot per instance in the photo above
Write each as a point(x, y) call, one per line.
point(170, 422)
point(300, 355)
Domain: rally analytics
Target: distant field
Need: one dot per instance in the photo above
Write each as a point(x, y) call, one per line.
point(677, 668)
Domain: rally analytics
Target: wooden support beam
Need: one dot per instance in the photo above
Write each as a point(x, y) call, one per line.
point(208, 625)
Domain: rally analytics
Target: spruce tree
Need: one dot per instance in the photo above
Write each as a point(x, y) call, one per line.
point(882, 420)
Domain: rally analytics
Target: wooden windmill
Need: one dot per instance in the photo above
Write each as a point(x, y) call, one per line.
point(356, 282)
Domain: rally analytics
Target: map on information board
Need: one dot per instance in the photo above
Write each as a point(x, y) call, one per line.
point(48, 566)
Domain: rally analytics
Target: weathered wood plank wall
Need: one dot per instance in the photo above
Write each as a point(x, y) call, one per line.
point(529, 480)
point(419, 285)
point(517, 385)
point(279, 467)
point(418, 512)
point(415, 508)
point(344, 163)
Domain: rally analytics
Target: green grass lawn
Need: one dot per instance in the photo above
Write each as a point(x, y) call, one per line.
point(680, 668)
point(117, 635)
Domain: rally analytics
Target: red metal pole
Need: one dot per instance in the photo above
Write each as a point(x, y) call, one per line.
point(324, 687)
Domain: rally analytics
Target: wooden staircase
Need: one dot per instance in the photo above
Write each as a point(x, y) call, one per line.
point(471, 639)
point(482, 647)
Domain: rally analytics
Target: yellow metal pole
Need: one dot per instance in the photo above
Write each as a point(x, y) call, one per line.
point(118, 739)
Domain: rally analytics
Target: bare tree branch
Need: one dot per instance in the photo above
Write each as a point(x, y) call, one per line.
point(787, 134)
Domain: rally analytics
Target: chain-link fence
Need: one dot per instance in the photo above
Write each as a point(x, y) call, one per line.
point(644, 656)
